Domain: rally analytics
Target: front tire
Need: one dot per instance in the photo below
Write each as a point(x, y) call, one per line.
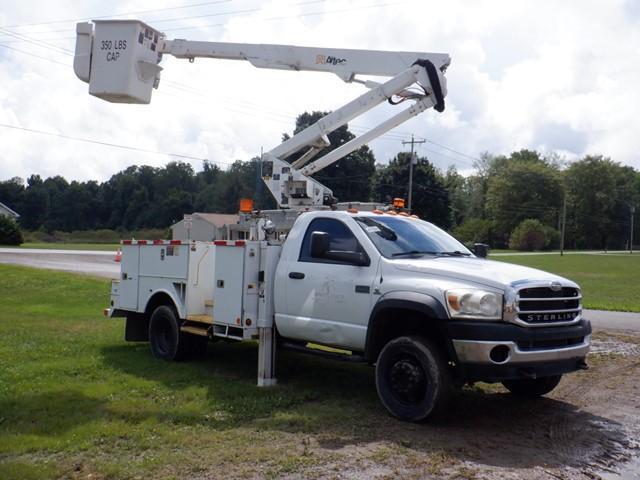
point(412, 378)
point(167, 342)
point(532, 387)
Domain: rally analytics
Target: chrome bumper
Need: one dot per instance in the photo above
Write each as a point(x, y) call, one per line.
point(477, 351)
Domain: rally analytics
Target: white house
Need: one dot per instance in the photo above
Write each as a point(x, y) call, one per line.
point(204, 227)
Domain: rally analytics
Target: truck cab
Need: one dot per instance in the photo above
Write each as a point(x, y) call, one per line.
point(419, 305)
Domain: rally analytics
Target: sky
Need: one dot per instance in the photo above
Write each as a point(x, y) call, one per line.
point(558, 77)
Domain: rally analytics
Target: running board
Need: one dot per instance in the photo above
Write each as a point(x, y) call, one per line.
point(195, 330)
point(208, 319)
point(296, 347)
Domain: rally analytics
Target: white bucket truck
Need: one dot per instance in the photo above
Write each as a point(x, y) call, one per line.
point(374, 282)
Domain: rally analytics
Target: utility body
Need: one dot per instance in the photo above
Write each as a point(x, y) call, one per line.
point(373, 282)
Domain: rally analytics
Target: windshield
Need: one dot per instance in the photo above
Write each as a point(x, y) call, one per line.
point(396, 237)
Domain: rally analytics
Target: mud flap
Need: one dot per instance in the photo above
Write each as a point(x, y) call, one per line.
point(136, 328)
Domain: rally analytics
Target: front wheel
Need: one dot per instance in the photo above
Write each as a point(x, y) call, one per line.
point(412, 378)
point(532, 387)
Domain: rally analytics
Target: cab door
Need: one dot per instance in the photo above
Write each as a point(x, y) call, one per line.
point(328, 301)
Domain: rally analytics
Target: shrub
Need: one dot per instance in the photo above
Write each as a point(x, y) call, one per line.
point(551, 238)
point(529, 235)
point(10, 233)
point(473, 230)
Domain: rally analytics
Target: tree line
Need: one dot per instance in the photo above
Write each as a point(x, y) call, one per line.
point(594, 195)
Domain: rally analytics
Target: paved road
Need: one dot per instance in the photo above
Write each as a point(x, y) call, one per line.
point(91, 262)
point(613, 320)
point(101, 263)
point(566, 252)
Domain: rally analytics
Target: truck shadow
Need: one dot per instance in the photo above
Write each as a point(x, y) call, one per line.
point(336, 404)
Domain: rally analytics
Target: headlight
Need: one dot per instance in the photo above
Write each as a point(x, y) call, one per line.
point(475, 304)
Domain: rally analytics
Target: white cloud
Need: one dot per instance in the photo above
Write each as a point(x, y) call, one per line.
point(560, 77)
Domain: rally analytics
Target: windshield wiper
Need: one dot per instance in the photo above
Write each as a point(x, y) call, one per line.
point(455, 253)
point(413, 252)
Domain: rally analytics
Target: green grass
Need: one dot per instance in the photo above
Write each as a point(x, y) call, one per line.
point(76, 400)
point(71, 246)
point(608, 281)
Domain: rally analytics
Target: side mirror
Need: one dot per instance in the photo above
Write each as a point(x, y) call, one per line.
point(319, 244)
point(320, 249)
point(354, 258)
point(481, 250)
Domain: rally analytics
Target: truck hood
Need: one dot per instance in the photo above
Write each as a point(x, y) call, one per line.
point(476, 270)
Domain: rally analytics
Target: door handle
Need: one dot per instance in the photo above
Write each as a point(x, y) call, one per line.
point(296, 275)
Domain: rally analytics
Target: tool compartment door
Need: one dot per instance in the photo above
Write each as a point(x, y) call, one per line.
point(228, 285)
point(129, 278)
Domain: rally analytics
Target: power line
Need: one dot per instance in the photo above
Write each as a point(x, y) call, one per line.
point(108, 144)
point(116, 14)
point(34, 55)
point(37, 42)
point(238, 13)
point(309, 14)
point(452, 150)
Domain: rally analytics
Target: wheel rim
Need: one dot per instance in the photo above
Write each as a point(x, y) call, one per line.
point(408, 380)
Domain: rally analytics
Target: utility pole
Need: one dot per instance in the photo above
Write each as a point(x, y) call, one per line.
point(411, 162)
point(633, 210)
point(564, 221)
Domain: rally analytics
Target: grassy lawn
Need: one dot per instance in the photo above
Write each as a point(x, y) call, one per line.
point(608, 282)
point(71, 246)
point(76, 401)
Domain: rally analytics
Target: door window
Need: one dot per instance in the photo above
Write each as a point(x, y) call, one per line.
point(340, 238)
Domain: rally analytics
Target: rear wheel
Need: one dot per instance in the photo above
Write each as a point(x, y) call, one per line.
point(532, 387)
point(167, 342)
point(412, 378)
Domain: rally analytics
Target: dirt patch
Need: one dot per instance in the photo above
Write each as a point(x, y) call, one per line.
point(626, 345)
point(588, 428)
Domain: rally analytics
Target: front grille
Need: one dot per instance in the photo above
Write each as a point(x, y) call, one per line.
point(546, 292)
point(544, 305)
point(542, 344)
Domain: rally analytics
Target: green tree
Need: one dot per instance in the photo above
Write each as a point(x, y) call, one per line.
point(529, 236)
point(36, 204)
point(350, 177)
point(430, 199)
point(525, 186)
point(10, 233)
point(474, 230)
point(12, 193)
point(459, 196)
point(599, 195)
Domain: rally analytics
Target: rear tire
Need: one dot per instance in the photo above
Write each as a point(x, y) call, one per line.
point(532, 387)
point(167, 342)
point(412, 378)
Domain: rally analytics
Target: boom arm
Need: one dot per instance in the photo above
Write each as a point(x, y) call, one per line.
point(345, 63)
point(120, 61)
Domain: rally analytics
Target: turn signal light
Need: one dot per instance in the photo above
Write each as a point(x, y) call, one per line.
point(246, 205)
point(398, 202)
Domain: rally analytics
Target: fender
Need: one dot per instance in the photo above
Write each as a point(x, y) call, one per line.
point(418, 302)
point(179, 306)
point(137, 323)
